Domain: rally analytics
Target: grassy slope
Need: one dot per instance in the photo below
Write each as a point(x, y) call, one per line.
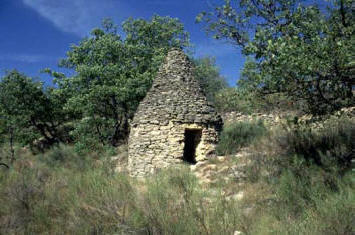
point(284, 192)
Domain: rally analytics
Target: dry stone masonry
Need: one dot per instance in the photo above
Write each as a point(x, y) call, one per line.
point(276, 118)
point(174, 123)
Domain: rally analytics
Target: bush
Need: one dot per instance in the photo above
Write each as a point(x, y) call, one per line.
point(328, 145)
point(239, 135)
point(66, 156)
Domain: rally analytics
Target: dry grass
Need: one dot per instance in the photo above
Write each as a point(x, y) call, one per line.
point(62, 192)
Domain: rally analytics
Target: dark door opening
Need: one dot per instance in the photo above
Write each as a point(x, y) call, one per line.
point(192, 139)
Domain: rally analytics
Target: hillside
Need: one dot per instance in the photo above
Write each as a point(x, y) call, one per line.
point(264, 184)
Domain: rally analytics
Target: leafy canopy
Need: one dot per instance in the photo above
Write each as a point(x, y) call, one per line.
point(29, 111)
point(112, 74)
point(303, 50)
point(208, 75)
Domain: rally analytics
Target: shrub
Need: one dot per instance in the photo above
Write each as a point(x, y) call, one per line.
point(328, 145)
point(66, 156)
point(239, 135)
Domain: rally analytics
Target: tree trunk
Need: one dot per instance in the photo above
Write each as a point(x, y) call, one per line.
point(12, 150)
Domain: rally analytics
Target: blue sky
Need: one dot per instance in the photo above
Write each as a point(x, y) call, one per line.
point(35, 34)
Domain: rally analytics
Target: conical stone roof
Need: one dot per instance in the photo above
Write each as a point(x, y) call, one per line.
point(176, 96)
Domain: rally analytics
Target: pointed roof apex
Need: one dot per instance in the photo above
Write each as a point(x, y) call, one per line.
point(176, 62)
point(176, 95)
point(176, 49)
point(176, 52)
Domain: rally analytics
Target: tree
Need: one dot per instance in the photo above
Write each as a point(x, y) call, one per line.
point(207, 73)
point(28, 112)
point(113, 74)
point(7, 131)
point(300, 49)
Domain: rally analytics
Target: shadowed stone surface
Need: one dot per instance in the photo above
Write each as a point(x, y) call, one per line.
point(174, 104)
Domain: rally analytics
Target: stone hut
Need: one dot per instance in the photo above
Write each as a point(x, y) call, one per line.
point(174, 123)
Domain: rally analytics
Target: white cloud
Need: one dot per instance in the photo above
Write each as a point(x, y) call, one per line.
point(73, 16)
point(26, 58)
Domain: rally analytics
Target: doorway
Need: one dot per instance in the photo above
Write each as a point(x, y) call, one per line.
point(192, 139)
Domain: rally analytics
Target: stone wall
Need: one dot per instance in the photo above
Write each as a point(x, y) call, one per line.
point(274, 119)
point(152, 147)
point(269, 118)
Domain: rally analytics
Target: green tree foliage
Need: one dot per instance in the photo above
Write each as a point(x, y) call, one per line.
point(112, 74)
point(29, 112)
point(3, 129)
point(207, 72)
point(300, 49)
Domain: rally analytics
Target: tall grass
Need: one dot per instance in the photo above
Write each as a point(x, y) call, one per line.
point(44, 197)
point(58, 200)
point(61, 192)
point(175, 203)
point(307, 204)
